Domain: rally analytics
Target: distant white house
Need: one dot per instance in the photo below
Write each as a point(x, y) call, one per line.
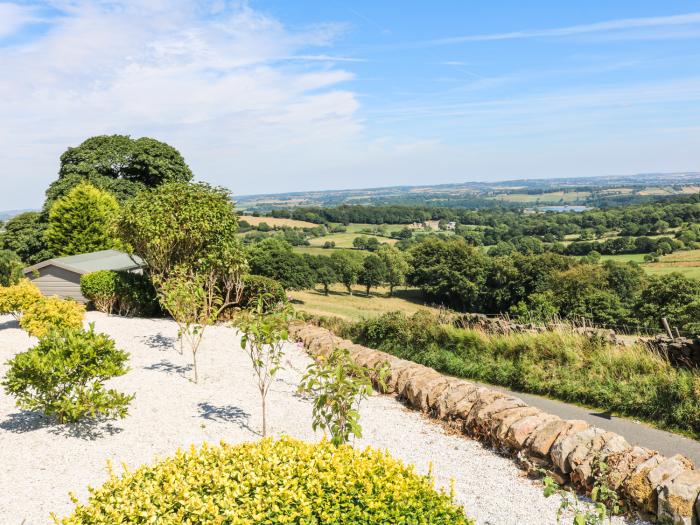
point(451, 225)
point(61, 276)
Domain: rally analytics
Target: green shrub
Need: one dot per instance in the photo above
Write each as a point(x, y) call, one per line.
point(17, 298)
point(63, 376)
point(51, 313)
point(255, 286)
point(570, 366)
point(10, 268)
point(100, 288)
point(274, 482)
point(136, 295)
point(123, 292)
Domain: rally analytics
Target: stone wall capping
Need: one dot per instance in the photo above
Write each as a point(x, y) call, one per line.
point(568, 450)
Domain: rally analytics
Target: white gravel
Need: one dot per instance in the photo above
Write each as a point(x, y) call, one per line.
point(41, 462)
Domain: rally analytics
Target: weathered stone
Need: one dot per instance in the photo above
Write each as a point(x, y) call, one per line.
point(397, 369)
point(622, 464)
point(582, 459)
point(561, 449)
point(540, 442)
point(678, 498)
point(453, 394)
point(522, 429)
point(638, 487)
point(482, 413)
point(668, 470)
point(415, 385)
point(434, 391)
point(406, 374)
point(502, 421)
point(478, 395)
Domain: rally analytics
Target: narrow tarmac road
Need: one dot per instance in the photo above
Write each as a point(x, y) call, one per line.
point(636, 432)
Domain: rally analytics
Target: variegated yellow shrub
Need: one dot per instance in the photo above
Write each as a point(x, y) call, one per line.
point(270, 482)
point(52, 313)
point(17, 298)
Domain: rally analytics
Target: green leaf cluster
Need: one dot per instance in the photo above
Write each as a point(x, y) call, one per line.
point(270, 482)
point(63, 375)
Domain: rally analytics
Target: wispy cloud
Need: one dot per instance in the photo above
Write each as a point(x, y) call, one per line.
point(599, 27)
point(13, 17)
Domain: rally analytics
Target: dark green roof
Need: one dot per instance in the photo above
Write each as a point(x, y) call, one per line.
point(92, 262)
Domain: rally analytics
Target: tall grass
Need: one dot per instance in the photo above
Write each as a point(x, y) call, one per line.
point(628, 380)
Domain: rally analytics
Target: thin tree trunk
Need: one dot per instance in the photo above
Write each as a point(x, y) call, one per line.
point(194, 362)
point(264, 418)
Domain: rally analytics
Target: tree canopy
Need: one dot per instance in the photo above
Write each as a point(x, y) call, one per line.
point(24, 235)
point(82, 221)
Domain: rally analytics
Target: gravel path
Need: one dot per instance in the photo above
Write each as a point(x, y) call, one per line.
point(41, 462)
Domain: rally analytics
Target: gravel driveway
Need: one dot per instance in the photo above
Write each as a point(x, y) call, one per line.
point(41, 462)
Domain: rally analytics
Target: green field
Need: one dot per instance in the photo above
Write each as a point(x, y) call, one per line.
point(357, 306)
point(684, 262)
point(344, 240)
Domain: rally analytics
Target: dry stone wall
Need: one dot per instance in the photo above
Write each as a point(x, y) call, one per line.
point(569, 449)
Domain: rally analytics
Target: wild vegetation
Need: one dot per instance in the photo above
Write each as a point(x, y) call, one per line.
point(632, 381)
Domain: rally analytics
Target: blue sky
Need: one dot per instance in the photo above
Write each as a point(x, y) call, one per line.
point(272, 96)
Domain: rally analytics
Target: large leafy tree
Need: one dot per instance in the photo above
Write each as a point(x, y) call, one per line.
point(347, 266)
point(373, 272)
point(181, 225)
point(82, 221)
point(396, 266)
point(10, 268)
point(119, 164)
point(24, 235)
point(450, 271)
point(673, 296)
point(274, 258)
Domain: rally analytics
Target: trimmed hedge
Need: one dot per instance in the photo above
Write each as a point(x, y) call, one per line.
point(123, 292)
point(274, 482)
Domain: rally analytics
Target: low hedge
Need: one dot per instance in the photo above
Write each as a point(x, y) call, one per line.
point(125, 293)
point(270, 482)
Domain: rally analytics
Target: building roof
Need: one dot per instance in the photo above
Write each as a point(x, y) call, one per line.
point(92, 262)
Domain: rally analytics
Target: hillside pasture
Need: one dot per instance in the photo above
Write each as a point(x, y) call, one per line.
point(358, 306)
point(277, 223)
point(684, 262)
point(344, 240)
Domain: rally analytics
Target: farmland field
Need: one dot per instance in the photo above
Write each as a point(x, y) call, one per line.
point(554, 196)
point(358, 306)
point(344, 240)
point(684, 262)
point(272, 221)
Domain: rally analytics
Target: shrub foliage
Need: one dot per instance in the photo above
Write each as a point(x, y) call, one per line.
point(285, 481)
point(63, 376)
point(51, 313)
point(18, 298)
point(122, 292)
point(256, 286)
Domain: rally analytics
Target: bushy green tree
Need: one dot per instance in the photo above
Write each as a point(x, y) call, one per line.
point(396, 266)
point(347, 266)
point(24, 235)
point(183, 226)
point(10, 268)
point(374, 272)
point(143, 160)
point(82, 222)
point(672, 296)
point(274, 258)
point(63, 376)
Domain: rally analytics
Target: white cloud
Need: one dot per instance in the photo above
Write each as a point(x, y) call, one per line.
point(625, 24)
point(207, 80)
point(13, 17)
